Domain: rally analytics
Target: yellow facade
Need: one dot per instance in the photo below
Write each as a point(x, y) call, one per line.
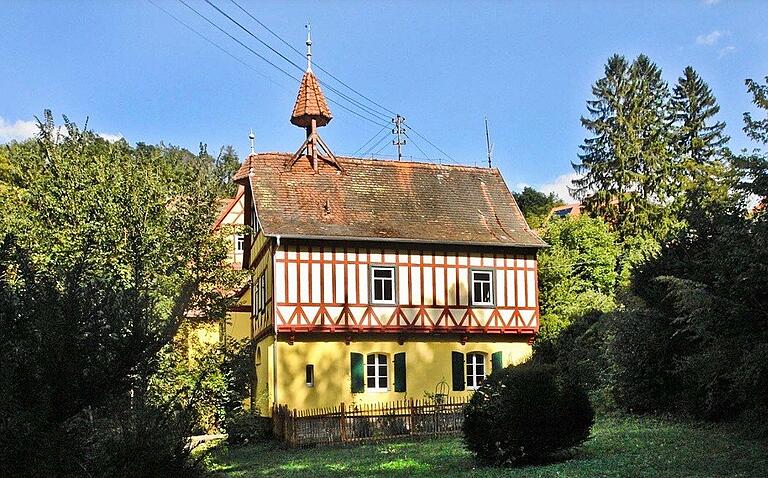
point(428, 368)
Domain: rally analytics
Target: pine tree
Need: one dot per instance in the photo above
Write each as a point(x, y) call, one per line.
point(626, 164)
point(702, 170)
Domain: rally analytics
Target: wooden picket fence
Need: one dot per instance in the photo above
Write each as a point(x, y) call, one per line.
point(368, 422)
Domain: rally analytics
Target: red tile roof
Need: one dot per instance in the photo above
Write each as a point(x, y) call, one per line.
point(310, 103)
point(385, 200)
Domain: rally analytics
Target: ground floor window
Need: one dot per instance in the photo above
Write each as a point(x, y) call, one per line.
point(376, 372)
point(475, 369)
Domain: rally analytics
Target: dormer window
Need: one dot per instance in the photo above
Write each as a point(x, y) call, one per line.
point(382, 285)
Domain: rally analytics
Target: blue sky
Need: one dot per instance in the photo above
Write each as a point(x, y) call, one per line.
point(527, 66)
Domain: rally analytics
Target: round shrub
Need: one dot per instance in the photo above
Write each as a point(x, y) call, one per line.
point(525, 414)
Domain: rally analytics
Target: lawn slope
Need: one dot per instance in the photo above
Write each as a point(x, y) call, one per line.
point(637, 447)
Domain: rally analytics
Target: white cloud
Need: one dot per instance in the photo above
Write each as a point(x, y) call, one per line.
point(21, 130)
point(710, 2)
point(726, 51)
point(710, 38)
point(560, 186)
point(18, 130)
point(111, 137)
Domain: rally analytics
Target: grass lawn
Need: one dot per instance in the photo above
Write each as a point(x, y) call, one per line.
point(619, 447)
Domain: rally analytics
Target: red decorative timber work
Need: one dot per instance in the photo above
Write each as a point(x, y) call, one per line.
point(329, 288)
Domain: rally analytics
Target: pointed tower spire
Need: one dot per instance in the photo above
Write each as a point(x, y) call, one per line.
point(309, 46)
point(311, 112)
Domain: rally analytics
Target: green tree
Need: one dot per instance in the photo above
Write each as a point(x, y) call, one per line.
point(103, 248)
point(704, 174)
point(535, 205)
point(754, 165)
point(626, 164)
point(577, 274)
point(226, 165)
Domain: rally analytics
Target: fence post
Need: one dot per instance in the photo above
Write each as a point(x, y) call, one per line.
point(410, 416)
point(343, 422)
point(294, 431)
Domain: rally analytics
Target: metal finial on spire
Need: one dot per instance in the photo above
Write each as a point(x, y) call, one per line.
point(308, 26)
point(252, 137)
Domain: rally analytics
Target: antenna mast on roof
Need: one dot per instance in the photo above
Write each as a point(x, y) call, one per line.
point(399, 130)
point(488, 146)
point(251, 137)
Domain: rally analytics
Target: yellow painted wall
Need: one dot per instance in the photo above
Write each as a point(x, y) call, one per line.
point(263, 396)
point(428, 362)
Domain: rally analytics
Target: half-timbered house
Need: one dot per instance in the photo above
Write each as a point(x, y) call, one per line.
point(378, 280)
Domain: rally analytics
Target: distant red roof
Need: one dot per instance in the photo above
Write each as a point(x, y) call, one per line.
point(385, 200)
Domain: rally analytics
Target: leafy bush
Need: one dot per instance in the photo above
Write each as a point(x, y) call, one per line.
point(524, 414)
point(212, 382)
point(245, 427)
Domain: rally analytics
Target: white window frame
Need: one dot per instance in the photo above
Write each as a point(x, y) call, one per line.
point(491, 284)
point(373, 280)
point(380, 359)
point(474, 362)
point(239, 243)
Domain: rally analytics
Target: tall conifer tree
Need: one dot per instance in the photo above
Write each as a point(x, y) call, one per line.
point(627, 162)
point(703, 174)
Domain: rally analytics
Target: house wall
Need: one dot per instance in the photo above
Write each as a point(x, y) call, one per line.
point(263, 395)
point(325, 287)
point(428, 363)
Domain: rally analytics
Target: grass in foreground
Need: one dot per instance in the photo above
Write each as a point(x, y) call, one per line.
point(636, 447)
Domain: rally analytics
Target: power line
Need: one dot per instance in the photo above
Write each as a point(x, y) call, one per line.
point(268, 61)
point(375, 145)
point(372, 138)
point(381, 149)
point(316, 65)
point(433, 145)
point(219, 47)
point(416, 144)
point(246, 30)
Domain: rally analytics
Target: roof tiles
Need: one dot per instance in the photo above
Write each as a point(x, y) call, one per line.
point(310, 103)
point(385, 200)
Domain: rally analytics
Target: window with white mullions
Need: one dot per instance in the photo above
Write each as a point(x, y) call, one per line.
point(482, 288)
point(239, 243)
point(475, 369)
point(376, 373)
point(383, 285)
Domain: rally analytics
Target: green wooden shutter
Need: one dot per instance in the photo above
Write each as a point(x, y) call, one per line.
point(358, 372)
point(457, 367)
point(400, 372)
point(496, 361)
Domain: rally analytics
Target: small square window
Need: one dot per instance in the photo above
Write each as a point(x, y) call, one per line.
point(239, 243)
point(310, 374)
point(482, 288)
point(382, 285)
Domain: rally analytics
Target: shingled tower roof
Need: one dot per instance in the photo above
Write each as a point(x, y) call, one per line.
point(310, 103)
point(310, 112)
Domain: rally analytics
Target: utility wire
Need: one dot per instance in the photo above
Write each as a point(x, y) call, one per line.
point(415, 144)
point(380, 149)
point(433, 145)
point(375, 145)
point(372, 138)
point(268, 61)
point(246, 30)
point(302, 54)
point(219, 47)
point(263, 58)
